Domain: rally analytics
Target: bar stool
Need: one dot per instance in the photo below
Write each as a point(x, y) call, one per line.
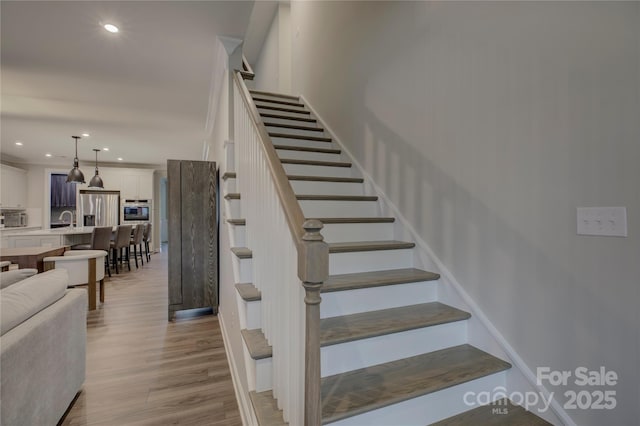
point(100, 240)
point(146, 238)
point(136, 241)
point(121, 241)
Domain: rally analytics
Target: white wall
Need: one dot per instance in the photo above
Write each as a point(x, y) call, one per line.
point(487, 124)
point(273, 67)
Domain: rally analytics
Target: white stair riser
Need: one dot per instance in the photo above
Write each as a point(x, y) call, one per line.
point(285, 113)
point(324, 208)
point(259, 376)
point(243, 270)
point(310, 170)
point(303, 142)
point(275, 98)
point(338, 303)
point(249, 314)
point(238, 238)
point(229, 185)
point(306, 155)
point(324, 188)
point(288, 121)
point(345, 232)
point(349, 356)
point(428, 408)
point(369, 261)
point(233, 208)
point(288, 131)
point(274, 103)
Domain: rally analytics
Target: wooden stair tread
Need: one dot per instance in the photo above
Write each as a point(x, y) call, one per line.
point(294, 127)
point(315, 163)
point(325, 179)
point(386, 321)
point(256, 343)
point(303, 137)
point(369, 246)
point(265, 407)
point(248, 292)
point(376, 279)
point(508, 414)
point(359, 391)
point(279, 95)
point(307, 149)
point(335, 220)
point(337, 197)
point(275, 101)
point(286, 117)
point(283, 109)
point(232, 196)
point(240, 222)
point(242, 252)
point(229, 175)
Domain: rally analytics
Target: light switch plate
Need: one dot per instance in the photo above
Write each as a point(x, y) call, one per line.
point(605, 221)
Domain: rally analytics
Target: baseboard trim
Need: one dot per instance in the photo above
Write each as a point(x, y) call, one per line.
point(445, 274)
point(244, 404)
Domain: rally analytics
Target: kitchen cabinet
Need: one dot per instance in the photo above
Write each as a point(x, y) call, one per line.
point(137, 186)
point(13, 187)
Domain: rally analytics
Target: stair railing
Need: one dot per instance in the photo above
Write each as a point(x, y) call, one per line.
point(290, 263)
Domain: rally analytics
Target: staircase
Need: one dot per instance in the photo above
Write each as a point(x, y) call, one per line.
point(391, 352)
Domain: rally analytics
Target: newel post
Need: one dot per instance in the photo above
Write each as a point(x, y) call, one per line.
point(313, 270)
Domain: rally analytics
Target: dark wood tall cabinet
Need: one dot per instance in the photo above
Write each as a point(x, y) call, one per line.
point(193, 235)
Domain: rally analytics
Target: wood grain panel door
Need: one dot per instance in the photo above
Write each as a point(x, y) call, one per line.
point(193, 233)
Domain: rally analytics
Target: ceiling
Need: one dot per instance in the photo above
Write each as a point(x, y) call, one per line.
point(143, 92)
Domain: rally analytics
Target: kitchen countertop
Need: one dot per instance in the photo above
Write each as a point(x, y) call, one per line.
point(56, 231)
point(19, 229)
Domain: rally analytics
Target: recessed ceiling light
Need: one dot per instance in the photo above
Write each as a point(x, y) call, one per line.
point(105, 149)
point(18, 143)
point(86, 135)
point(47, 155)
point(119, 158)
point(111, 28)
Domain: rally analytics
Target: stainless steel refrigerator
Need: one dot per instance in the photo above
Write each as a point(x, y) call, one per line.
point(98, 208)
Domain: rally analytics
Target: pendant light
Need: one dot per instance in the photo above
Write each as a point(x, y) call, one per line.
point(96, 180)
point(75, 175)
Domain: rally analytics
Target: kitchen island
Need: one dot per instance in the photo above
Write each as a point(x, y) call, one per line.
point(48, 237)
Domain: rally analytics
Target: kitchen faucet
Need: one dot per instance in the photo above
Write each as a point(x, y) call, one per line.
point(70, 217)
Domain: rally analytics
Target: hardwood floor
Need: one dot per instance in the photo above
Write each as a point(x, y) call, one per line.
point(143, 370)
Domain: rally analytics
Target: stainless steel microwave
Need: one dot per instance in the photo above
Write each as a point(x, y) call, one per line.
point(136, 211)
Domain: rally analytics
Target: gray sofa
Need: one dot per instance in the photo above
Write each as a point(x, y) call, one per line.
point(42, 347)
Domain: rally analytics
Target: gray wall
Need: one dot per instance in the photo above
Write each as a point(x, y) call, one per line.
point(273, 67)
point(487, 124)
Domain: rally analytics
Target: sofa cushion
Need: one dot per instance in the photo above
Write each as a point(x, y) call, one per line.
point(26, 298)
point(11, 277)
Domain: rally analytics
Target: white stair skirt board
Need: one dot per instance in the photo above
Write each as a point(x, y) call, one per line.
point(343, 357)
point(338, 303)
point(345, 232)
point(259, 376)
point(288, 131)
point(303, 143)
point(324, 208)
point(305, 155)
point(309, 170)
point(238, 236)
point(368, 261)
point(323, 188)
point(250, 314)
point(428, 408)
point(233, 208)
